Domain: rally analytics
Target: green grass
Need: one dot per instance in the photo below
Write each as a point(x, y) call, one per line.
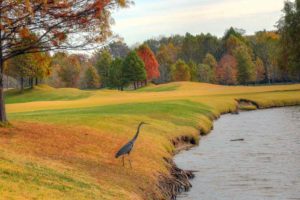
point(62, 144)
point(181, 112)
point(44, 93)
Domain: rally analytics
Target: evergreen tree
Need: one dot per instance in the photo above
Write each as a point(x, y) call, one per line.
point(133, 70)
point(102, 65)
point(115, 74)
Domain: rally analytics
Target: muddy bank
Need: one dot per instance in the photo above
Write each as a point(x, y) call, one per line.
point(179, 180)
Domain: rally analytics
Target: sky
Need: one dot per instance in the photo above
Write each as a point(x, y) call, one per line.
point(153, 18)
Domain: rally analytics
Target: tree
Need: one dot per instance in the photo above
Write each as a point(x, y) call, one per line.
point(194, 48)
point(180, 71)
point(118, 49)
point(116, 74)
point(21, 67)
point(42, 69)
point(236, 32)
point(29, 66)
point(232, 43)
point(69, 68)
point(245, 65)
point(133, 70)
point(289, 30)
point(226, 72)
point(166, 56)
point(56, 24)
point(91, 78)
point(259, 70)
point(211, 61)
point(193, 71)
point(149, 59)
point(102, 65)
point(204, 73)
point(266, 47)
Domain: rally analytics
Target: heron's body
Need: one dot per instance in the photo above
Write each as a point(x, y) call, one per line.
point(126, 149)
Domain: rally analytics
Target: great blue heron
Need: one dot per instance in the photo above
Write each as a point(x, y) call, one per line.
point(126, 149)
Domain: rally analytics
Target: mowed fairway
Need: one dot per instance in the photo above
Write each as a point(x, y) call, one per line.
point(63, 141)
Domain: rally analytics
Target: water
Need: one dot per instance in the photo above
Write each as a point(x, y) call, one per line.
point(266, 165)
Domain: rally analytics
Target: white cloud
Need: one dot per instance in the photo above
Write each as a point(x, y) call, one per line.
point(177, 16)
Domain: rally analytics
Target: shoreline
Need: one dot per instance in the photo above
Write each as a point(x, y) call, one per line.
point(180, 179)
point(85, 137)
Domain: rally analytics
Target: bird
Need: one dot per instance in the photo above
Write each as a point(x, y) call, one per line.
point(127, 148)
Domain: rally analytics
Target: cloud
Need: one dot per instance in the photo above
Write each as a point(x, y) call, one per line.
point(159, 16)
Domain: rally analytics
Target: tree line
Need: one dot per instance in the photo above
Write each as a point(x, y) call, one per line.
point(231, 60)
point(236, 58)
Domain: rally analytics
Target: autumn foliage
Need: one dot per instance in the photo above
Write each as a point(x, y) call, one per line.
point(226, 72)
point(149, 59)
point(180, 71)
point(47, 25)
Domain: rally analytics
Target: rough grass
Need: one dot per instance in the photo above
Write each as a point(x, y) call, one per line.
point(44, 93)
point(159, 88)
point(65, 149)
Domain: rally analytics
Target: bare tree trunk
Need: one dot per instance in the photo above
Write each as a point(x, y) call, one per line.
point(22, 84)
point(7, 82)
point(36, 81)
point(3, 118)
point(31, 83)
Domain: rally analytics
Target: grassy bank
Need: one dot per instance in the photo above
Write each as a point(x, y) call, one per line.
point(63, 141)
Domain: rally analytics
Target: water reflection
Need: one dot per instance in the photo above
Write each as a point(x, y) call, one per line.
point(266, 165)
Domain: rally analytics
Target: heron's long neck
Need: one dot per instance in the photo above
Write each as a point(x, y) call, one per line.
point(137, 133)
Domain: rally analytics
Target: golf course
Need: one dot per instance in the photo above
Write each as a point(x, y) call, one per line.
point(61, 143)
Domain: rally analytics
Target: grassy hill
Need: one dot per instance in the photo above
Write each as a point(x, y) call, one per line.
point(63, 141)
point(44, 93)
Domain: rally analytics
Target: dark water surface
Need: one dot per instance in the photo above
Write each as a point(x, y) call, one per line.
point(265, 166)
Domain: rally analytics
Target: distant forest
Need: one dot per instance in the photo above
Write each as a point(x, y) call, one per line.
point(266, 57)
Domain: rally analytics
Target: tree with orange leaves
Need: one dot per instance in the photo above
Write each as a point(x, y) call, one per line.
point(149, 59)
point(226, 72)
point(68, 24)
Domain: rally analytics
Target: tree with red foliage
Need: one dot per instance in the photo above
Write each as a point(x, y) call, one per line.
point(226, 72)
point(50, 25)
point(149, 59)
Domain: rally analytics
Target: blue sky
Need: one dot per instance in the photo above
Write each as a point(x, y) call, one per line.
point(152, 18)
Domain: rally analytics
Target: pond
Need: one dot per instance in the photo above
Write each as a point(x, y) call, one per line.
point(265, 165)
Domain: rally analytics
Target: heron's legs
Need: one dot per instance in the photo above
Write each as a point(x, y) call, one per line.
point(123, 161)
point(129, 161)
